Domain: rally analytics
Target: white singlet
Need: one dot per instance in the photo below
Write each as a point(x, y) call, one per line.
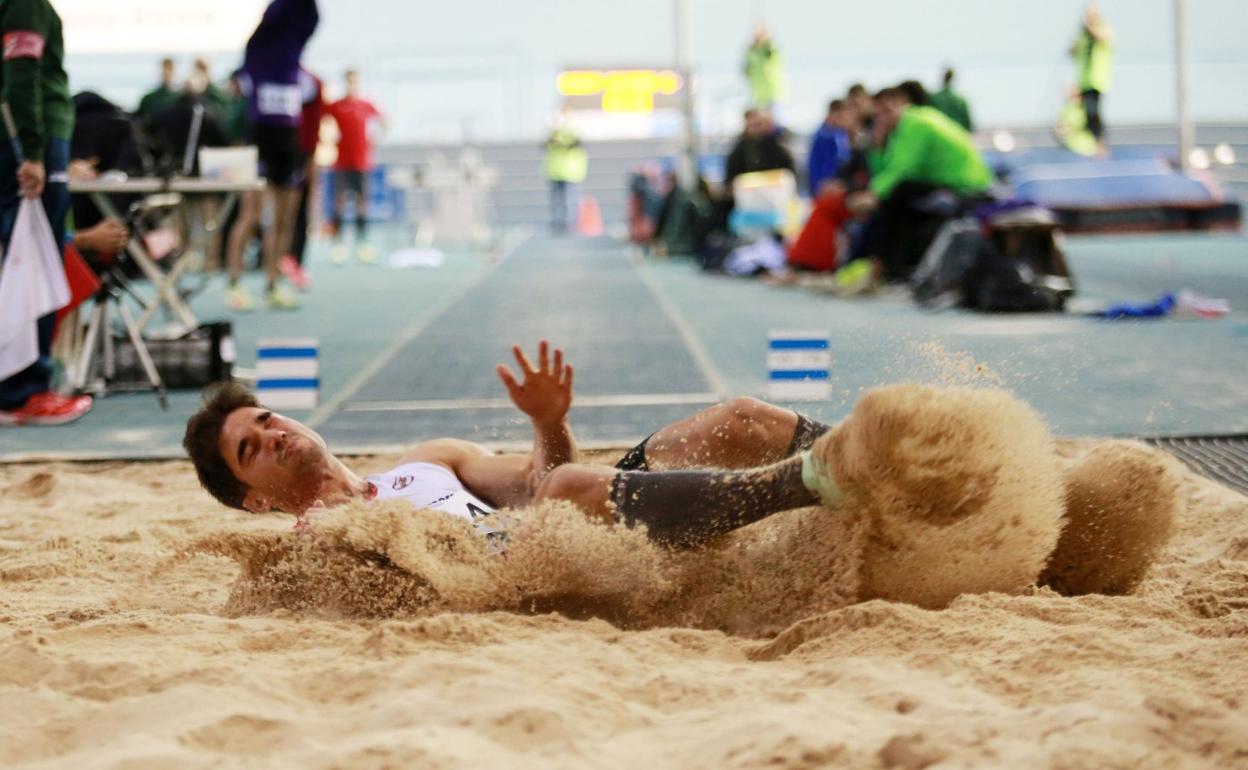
point(426, 485)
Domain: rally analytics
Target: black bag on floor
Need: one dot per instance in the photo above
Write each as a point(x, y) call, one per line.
point(1020, 266)
point(198, 358)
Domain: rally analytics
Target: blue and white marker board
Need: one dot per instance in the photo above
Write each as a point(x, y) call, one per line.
point(288, 373)
point(797, 365)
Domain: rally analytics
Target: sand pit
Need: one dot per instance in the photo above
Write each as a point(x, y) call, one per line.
point(144, 626)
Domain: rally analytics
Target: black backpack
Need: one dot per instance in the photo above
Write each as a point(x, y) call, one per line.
point(1020, 266)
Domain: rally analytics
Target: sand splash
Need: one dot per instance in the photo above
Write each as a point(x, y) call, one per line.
point(948, 491)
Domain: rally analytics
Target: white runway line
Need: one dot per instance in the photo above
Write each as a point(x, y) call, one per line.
point(326, 410)
point(694, 345)
point(455, 404)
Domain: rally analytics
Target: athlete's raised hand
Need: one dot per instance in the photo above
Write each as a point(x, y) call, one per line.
point(545, 392)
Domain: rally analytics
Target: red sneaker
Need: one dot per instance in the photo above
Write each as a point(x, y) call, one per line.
point(47, 408)
point(293, 272)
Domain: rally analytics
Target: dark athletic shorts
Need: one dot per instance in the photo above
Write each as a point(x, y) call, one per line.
point(349, 180)
point(804, 435)
point(280, 159)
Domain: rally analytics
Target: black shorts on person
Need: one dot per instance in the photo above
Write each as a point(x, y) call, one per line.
point(280, 159)
point(350, 180)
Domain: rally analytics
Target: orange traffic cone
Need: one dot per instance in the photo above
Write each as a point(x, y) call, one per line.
point(589, 219)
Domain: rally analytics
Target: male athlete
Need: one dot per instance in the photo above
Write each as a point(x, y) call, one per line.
point(254, 459)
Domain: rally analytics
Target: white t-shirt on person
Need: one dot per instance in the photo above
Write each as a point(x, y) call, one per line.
point(427, 485)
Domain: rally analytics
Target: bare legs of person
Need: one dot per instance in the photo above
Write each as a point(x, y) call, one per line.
point(284, 202)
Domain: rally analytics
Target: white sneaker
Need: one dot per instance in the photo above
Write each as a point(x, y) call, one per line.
point(338, 253)
point(366, 254)
point(239, 299)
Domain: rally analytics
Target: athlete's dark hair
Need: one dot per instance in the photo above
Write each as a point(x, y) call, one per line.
point(948, 76)
point(203, 437)
point(836, 104)
point(856, 89)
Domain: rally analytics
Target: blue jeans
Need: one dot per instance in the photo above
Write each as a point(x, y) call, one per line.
point(37, 377)
point(564, 197)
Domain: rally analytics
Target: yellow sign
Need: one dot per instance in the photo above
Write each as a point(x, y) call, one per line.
point(620, 90)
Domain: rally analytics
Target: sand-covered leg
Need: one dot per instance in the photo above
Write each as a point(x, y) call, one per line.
point(1121, 507)
point(961, 489)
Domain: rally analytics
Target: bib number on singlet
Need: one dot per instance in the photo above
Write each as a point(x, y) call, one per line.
point(278, 99)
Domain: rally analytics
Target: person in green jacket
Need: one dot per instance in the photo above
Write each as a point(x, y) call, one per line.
point(952, 103)
point(927, 162)
point(566, 164)
point(34, 164)
point(764, 70)
point(159, 98)
point(1093, 53)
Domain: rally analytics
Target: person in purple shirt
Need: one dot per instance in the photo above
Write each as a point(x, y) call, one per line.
point(271, 81)
point(830, 147)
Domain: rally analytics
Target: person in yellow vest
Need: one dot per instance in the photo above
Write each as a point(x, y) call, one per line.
point(566, 163)
point(1093, 52)
point(764, 70)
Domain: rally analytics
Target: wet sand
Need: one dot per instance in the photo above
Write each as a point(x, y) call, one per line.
point(142, 625)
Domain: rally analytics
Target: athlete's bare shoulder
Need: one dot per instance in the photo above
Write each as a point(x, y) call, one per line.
point(449, 452)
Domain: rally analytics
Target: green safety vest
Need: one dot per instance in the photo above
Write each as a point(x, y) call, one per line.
point(764, 68)
point(1094, 59)
point(566, 159)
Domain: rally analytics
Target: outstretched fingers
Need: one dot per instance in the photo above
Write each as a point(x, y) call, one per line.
point(509, 379)
point(543, 357)
point(526, 366)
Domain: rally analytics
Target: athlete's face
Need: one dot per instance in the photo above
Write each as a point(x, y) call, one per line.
point(281, 461)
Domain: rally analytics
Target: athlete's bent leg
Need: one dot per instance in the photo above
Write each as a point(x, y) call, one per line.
point(741, 433)
point(680, 508)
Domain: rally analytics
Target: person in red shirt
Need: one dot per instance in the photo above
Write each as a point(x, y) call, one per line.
point(356, 117)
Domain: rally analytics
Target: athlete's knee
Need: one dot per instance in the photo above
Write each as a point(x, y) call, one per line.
point(750, 419)
point(586, 486)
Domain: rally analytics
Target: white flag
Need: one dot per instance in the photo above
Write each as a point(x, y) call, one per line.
point(32, 284)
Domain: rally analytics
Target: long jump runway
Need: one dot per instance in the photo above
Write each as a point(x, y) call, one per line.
point(637, 366)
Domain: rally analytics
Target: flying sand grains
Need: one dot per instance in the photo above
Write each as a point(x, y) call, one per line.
point(960, 488)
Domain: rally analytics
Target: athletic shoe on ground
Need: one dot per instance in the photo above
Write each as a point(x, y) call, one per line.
point(47, 408)
point(858, 277)
point(338, 253)
point(240, 300)
point(366, 254)
point(292, 271)
point(278, 298)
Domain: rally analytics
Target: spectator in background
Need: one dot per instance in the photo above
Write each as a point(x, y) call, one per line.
point(34, 85)
point(270, 81)
point(952, 104)
point(291, 265)
point(159, 98)
point(859, 100)
point(764, 70)
point(356, 118)
point(927, 160)
point(916, 94)
point(1094, 55)
point(234, 118)
point(567, 164)
point(830, 148)
point(214, 97)
point(759, 148)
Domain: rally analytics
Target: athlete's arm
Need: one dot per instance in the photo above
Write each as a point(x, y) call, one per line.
point(545, 395)
point(500, 480)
